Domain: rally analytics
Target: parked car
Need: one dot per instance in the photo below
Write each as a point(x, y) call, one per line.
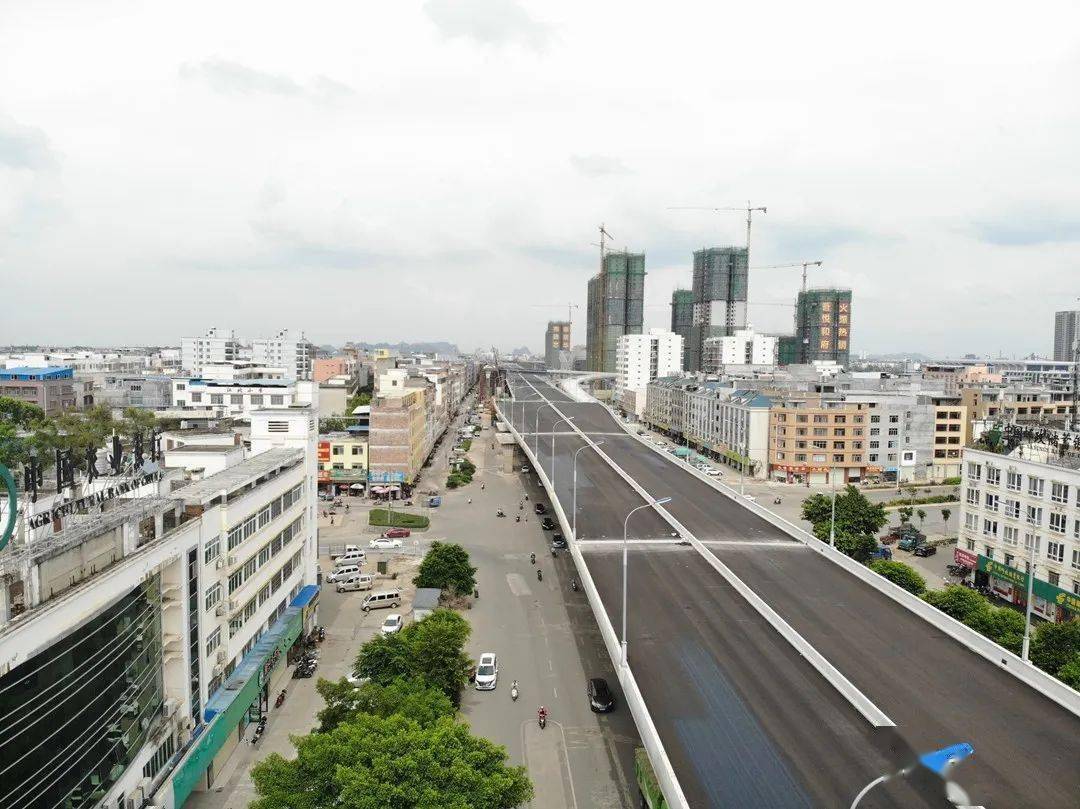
point(384, 544)
point(392, 624)
point(558, 541)
point(601, 700)
point(357, 581)
point(348, 550)
point(713, 471)
point(540, 508)
point(342, 573)
point(396, 533)
point(487, 672)
point(925, 550)
point(525, 470)
point(910, 542)
point(547, 524)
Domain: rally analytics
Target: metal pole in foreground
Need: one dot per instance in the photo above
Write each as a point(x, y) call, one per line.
point(573, 530)
point(625, 564)
point(1030, 604)
point(553, 426)
point(832, 521)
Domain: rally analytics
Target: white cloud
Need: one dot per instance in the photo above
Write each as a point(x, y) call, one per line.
point(598, 165)
point(489, 22)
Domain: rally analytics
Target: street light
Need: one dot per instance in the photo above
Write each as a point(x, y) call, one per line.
point(625, 565)
point(536, 429)
point(574, 517)
point(832, 521)
point(553, 426)
point(1030, 602)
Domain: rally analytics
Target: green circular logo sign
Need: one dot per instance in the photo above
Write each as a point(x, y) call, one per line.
point(8, 500)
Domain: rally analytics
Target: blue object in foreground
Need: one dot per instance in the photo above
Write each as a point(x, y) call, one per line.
point(940, 760)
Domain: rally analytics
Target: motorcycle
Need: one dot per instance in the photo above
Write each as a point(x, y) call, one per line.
point(532, 558)
point(554, 553)
point(541, 717)
point(322, 634)
point(514, 691)
point(539, 574)
point(777, 501)
point(573, 585)
point(280, 699)
point(500, 513)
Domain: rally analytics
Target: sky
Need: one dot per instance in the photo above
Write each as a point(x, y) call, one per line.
point(438, 169)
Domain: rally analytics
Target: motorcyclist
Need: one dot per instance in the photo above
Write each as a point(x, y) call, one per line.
point(541, 714)
point(532, 558)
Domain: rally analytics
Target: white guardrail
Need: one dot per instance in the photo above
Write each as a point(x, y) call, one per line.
point(1046, 684)
point(650, 738)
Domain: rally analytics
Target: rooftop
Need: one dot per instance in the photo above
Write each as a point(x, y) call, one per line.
point(31, 373)
point(240, 475)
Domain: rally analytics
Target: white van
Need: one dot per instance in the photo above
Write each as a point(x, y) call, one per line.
point(356, 557)
point(380, 599)
point(357, 581)
point(344, 572)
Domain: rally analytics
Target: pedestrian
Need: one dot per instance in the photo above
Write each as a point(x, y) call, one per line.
point(483, 486)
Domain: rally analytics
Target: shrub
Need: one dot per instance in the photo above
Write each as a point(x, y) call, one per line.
point(397, 519)
point(1055, 645)
point(900, 574)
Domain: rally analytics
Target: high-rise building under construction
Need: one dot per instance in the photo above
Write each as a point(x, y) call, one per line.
point(616, 307)
point(682, 318)
point(719, 295)
point(823, 325)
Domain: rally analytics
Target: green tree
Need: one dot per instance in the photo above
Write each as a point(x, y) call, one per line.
point(446, 566)
point(1055, 645)
point(384, 658)
point(1070, 673)
point(372, 762)
point(855, 515)
point(921, 514)
point(900, 574)
point(137, 420)
point(858, 546)
point(359, 400)
point(437, 651)
point(945, 514)
point(1002, 625)
point(905, 514)
point(413, 699)
point(962, 603)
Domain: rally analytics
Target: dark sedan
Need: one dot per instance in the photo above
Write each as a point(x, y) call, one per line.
point(558, 542)
point(540, 508)
point(547, 524)
point(601, 700)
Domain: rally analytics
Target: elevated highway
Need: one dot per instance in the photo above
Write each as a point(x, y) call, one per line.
point(745, 718)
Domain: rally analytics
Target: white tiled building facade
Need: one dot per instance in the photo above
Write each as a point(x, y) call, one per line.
point(1011, 506)
point(641, 358)
point(288, 349)
point(216, 346)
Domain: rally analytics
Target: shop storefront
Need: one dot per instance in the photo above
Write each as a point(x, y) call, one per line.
point(1011, 584)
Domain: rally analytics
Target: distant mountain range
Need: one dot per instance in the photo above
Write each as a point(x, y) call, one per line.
point(445, 349)
point(899, 355)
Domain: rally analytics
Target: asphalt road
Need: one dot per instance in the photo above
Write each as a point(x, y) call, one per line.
point(710, 667)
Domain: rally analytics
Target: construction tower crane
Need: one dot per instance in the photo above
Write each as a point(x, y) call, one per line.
point(803, 264)
point(570, 307)
point(750, 211)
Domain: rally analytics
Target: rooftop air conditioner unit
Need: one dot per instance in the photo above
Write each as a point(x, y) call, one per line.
point(220, 610)
point(230, 560)
point(220, 563)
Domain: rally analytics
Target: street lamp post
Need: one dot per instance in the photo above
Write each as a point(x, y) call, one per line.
point(832, 520)
point(625, 563)
point(536, 429)
point(1030, 604)
point(553, 426)
point(574, 516)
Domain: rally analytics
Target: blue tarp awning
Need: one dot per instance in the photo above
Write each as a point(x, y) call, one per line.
point(305, 596)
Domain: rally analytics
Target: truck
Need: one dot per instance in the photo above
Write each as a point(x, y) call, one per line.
point(649, 793)
point(911, 541)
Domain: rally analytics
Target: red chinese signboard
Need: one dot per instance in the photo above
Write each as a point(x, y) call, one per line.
point(965, 558)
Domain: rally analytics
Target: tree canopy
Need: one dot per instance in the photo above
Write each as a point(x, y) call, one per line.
point(412, 698)
point(898, 573)
point(855, 515)
point(394, 762)
point(446, 566)
point(1056, 646)
point(1003, 625)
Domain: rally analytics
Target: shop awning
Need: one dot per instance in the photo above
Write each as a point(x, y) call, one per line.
point(357, 486)
point(305, 596)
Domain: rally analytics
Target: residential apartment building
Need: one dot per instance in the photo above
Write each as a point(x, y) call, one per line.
point(239, 398)
point(324, 368)
point(343, 463)
point(641, 358)
point(557, 345)
point(822, 439)
point(218, 345)
point(52, 389)
point(731, 426)
point(1066, 333)
point(682, 318)
point(396, 437)
point(616, 306)
point(1018, 510)
point(720, 282)
point(288, 349)
point(143, 625)
point(742, 347)
point(1014, 404)
point(142, 392)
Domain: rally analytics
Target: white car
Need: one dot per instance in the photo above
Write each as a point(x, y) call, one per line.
point(392, 624)
point(384, 544)
point(487, 672)
point(711, 471)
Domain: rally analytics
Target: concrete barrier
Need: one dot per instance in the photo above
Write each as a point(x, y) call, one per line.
point(650, 738)
point(1046, 684)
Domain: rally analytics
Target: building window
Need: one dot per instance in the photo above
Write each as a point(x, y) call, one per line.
point(337, 449)
point(1012, 481)
point(991, 502)
point(216, 398)
point(196, 397)
point(213, 596)
point(1053, 578)
point(1076, 559)
point(973, 497)
point(990, 527)
point(1059, 492)
point(1035, 487)
point(1034, 515)
point(277, 400)
point(1009, 534)
point(971, 521)
point(1055, 551)
point(212, 550)
point(236, 399)
point(213, 641)
point(1012, 509)
point(1031, 541)
point(993, 476)
point(1058, 523)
